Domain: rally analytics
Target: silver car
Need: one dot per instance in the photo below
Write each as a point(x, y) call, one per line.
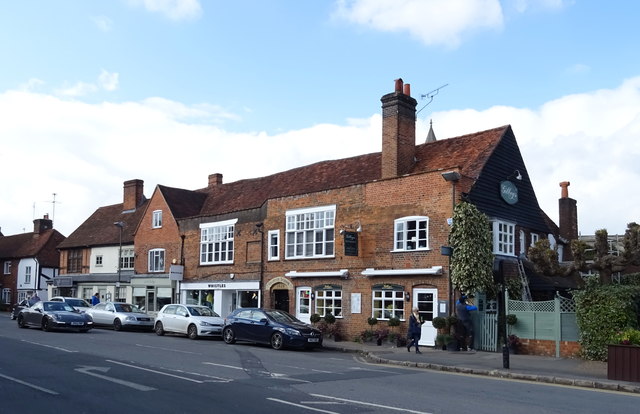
point(119, 315)
point(191, 320)
point(80, 304)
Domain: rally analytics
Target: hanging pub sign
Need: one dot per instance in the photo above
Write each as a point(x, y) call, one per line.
point(350, 243)
point(509, 192)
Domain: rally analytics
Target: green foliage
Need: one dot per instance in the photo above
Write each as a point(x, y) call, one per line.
point(394, 321)
point(315, 318)
point(629, 336)
point(439, 322)
point(372, 321)
point(472, 259)
point(514, 287)
point(329, 318)
point(602, 311)
point(512, 319)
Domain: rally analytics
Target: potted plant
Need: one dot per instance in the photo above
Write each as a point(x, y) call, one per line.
point(512, 319)
point(315, 318)
point(513, 343)
point(381, 335)
point(399, 339)
point(623, 356)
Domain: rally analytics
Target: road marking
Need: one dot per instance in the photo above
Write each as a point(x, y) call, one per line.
point(155, 372)
point(35, 387)
point(49, 346)
point(386, 407)
point(167, 349)
point(87, 370)
point(274, 375)
point(224, 366)
point(302, 406)
point(210, 378)
point(310, 369)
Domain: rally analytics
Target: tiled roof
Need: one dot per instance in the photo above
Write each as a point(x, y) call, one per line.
point(469, 152)
point(27, 244)
point(99, 230)
point(182, 203)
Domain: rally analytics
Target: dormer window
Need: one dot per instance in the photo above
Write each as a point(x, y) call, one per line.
point(156, 221)
point(411, 233)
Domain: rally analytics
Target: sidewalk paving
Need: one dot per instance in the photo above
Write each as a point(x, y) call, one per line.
point(562, 371)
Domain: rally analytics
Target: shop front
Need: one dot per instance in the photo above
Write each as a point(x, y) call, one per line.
point(222, 297)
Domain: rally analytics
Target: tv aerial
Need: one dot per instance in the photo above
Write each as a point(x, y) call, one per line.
point(430, 96)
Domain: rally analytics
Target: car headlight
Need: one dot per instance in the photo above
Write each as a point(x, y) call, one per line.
point(289, 331)
point(203, 323)
point(130, 318)
point(55, 317)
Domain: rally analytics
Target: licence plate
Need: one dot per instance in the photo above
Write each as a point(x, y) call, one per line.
point(77, 323)
point(314, 339)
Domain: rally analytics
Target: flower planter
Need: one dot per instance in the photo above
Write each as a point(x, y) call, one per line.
point(623, 363)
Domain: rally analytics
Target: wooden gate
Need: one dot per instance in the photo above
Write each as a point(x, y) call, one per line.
point(485, 324)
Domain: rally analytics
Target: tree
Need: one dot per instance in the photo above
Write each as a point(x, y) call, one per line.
point(472, 259)
point(597, 258)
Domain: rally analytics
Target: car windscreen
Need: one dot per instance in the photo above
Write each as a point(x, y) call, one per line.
point(57, 306)
point(201, 311)
point(78, 303)
point(126, 307)
point(281, 316)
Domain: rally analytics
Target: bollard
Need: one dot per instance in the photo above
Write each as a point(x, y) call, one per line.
point(505, 357)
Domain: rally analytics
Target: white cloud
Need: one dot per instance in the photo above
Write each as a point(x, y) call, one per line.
point(173, 9)
point(103, 23)
point(106, 81)
point(434, 22)
point(84, 152)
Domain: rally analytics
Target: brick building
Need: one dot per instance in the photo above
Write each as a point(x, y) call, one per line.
point(359, 237)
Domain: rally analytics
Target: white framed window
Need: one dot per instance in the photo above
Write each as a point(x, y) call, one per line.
point(6, 296)
point(156, 220)
point(387, 304)
point(534, 238)
point(156, 260)
point(7, 267)
point(329, 301)
point(216, 242)
point(27, 274)
point(411, 233)
point(310, 232)
point(127, 259)
point(503, 234)
point(99, 260)
point(274, 245)
point(523, 244)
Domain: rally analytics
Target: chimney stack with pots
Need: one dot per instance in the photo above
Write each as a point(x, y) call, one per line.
point(398, 131)
point(568, 216)
point(133, 195)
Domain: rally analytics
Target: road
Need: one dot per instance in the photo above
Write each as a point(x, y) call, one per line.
point(104, 371)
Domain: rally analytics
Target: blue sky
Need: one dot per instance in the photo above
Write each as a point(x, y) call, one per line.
point(94, 93)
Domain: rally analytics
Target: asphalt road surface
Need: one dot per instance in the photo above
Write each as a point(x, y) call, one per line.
point(104, 371)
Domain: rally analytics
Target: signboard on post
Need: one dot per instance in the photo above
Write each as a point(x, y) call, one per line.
point(176, 272)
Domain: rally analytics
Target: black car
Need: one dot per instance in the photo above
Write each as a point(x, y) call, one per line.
point(269, 326)
point(15, 310)
point(54, 315)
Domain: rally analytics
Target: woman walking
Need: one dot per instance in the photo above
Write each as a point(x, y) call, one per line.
point(415, 330)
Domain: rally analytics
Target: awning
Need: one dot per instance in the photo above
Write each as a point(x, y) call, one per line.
point(343, 273)
point(434, 270)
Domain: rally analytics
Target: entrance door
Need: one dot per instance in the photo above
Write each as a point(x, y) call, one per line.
point(426, 300)
point(151, 301)
point(303, 304)
point(281, 299)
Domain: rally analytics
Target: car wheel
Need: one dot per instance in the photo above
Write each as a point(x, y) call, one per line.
point(192, 332)
point(277, 341)
point(46, 324)
point(159, 329)
point(228, 336)
point(117, 325)
point(21, 322)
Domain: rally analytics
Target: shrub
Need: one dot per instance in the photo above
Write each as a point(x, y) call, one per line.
point(329, 318)
point(439, 322)
point(372, 321)
point(315, 318)
point(512, 319)
point(394, 321)
point(629, 336)
point(602, 311)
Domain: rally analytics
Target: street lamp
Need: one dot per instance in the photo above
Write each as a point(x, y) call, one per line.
point(119, 224)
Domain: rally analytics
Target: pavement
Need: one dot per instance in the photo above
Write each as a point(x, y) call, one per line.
point(562, 371)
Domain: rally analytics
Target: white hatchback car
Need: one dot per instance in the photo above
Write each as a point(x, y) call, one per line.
point(80, 304)
point(191, 320)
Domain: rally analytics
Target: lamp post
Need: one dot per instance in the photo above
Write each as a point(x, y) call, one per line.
point(453, 177)
point(120, 225)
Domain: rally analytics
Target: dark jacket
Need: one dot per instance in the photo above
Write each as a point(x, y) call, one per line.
point(415, 327)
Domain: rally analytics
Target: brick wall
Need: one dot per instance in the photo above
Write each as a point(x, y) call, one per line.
point(568, 349)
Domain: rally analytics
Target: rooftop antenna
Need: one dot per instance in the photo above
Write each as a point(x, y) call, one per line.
point(430, 95)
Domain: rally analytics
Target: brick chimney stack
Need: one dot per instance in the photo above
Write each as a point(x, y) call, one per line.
point(133, 195)
point(398, 131)
point(40, 225)
point(215, 180)
point(568, 215)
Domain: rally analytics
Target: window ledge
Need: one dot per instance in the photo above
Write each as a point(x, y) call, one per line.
point(344, 273)
point(411, 251)
point(433, 270)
